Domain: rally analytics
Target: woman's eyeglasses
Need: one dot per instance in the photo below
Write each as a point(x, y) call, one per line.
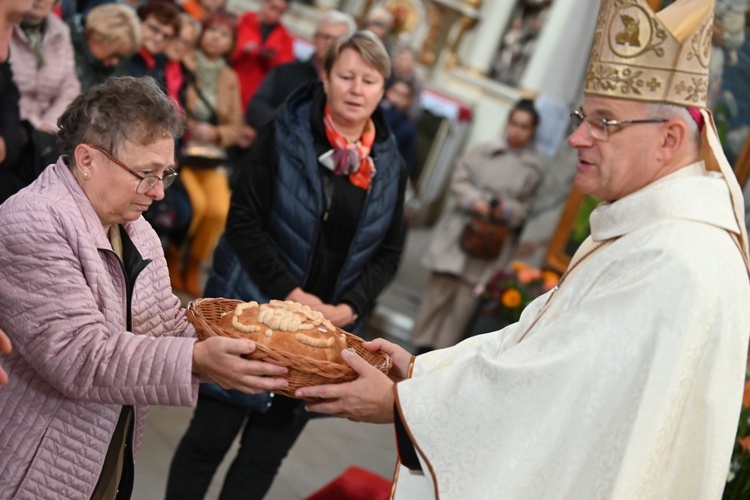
point(146, 182)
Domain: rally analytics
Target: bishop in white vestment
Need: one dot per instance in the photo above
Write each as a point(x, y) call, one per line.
point(628, 385)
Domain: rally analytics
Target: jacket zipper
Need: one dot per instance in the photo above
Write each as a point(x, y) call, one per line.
point(129, 285)
point(349, 251)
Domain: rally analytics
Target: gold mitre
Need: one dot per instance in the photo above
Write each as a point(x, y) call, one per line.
point(643, 56)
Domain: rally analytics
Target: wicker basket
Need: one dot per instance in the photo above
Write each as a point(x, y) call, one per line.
point(204, 315)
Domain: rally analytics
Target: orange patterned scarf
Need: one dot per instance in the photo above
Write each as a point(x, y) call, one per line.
point(351, 158)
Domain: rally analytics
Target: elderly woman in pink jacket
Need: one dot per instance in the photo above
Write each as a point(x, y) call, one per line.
point(85, 298)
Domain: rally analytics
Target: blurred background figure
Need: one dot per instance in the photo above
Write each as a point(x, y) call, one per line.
point(283, 79)
point(11, 131)
point(497, 180)
point(405, 68)
point(160, 23)
point(180, 54)
point(199, 9)
point(170, 217)
point(729, 31)
point(10, 13)
point(262, 43)
point(68, 8)
point(380, 21)
point(308, 222)
point(511, 50)
point(101, 39)
point(396, 106)
point(43, 66)
point(44, 72)
point(214, 121)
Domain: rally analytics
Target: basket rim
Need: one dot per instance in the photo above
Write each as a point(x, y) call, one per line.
point(296, 361)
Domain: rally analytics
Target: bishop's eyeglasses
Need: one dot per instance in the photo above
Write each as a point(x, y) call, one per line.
point(145, 182)
point(599, 127)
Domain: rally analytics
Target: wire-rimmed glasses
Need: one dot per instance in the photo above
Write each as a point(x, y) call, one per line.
point(146, 182)
point(599, 127)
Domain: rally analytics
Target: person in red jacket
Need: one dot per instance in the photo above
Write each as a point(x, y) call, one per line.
point(262, 43)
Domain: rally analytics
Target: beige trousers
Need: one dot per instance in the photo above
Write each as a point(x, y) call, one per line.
point(445, 312)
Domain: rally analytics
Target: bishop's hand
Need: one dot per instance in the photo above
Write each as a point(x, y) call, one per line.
point(366, 399)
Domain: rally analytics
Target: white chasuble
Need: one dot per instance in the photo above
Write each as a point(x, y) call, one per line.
point(628, 386)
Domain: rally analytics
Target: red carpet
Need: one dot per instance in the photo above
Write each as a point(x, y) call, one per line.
point(355, 484)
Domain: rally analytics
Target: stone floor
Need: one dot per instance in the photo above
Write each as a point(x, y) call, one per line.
point(327, 446)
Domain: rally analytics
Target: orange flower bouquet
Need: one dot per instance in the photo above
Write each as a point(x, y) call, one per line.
point(509, 291)
point(738, 479)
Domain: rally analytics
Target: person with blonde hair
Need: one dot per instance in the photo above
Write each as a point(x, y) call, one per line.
point(309, 221)
point(101, 39)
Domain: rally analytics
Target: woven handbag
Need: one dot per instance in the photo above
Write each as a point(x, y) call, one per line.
point(205, 314)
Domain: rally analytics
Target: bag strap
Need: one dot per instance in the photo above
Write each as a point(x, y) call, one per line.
point(214, 120)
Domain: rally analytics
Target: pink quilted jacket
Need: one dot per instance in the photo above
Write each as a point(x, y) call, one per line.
point(73, 366)
point(48, 89)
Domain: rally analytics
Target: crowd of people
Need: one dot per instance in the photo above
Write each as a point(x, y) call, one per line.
point(292, 176)
point(227, 73)
point(149, 97)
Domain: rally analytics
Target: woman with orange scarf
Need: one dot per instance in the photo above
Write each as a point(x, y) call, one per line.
point(316, 217)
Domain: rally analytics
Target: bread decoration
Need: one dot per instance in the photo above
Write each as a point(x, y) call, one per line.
point(287, 326)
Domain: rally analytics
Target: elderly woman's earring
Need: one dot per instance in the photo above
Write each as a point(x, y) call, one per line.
point(85, 175)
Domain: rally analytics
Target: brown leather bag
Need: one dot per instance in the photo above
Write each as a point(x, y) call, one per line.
point(483, 237)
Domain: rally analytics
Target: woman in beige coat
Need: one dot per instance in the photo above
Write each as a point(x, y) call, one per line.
point(214, 119)
point(498, 179)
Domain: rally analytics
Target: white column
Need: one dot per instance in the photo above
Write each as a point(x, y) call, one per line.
point(493, 20)
point(562, 51)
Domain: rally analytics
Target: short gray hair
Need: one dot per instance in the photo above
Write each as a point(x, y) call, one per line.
point(337, 17)
point(118, 110)
point(366, 44)
point(666, 110)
